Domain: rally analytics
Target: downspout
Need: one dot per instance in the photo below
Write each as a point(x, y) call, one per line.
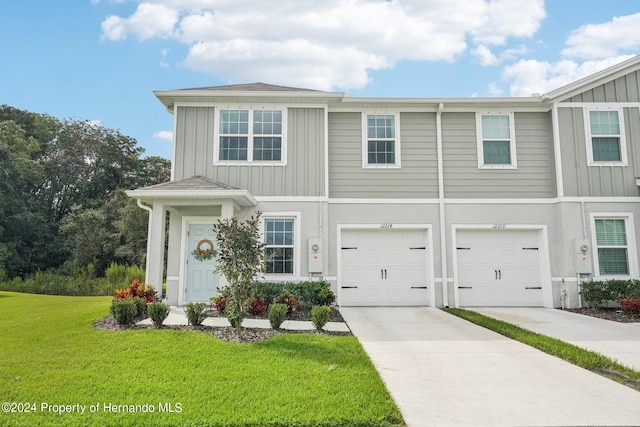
point(147, 267)
point(443, 234)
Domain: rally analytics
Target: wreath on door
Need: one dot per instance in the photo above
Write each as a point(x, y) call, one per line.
point(204, 250)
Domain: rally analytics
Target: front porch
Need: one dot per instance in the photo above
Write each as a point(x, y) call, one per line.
point(193, 205)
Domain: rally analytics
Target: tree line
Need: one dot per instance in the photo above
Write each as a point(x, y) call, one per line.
point(62, 200)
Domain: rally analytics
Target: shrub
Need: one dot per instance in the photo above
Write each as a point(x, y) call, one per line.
point(196, 313)
point(288, 299)
point(116, 274)
point(257, 305)
point(310, 293)
point(270, 291)
point(320, 315)
point(158, 312)
point(219, 302)
point(124, 310)
point(632, 305)
point(135, 272)
point(277, 314)
point(141, 306)
point(138, 289)
point(598, 293)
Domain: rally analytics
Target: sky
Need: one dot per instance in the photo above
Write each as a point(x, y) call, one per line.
point(101, 60)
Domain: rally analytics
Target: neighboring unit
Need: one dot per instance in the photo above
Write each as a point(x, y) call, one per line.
point(396, 201)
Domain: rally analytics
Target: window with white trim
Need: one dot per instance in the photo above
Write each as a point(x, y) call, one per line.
point(279, 237)
point(605, 137)
point(612, 247)
point(381, 142)
point(251, 135)
point(496, 141)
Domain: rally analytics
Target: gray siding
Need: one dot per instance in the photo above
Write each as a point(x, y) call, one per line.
point(302, 176)
point(580, 179)
point(417, 177)
point(622, 89)
point(533, 178)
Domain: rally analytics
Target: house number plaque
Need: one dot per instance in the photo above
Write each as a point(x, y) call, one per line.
point(386, 225)
point(499, 226)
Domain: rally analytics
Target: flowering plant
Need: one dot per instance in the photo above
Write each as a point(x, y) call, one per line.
point(632, 305)
point(137, 289)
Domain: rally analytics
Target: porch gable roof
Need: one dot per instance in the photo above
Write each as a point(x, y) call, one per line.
point(194, 188)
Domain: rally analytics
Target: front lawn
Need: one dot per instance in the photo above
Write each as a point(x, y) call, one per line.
point(51, 356)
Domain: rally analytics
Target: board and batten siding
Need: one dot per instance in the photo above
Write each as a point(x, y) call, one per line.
point(303, 174)
point(416, 178)
point(580, 179)
point(622, 89)
point(533, 178)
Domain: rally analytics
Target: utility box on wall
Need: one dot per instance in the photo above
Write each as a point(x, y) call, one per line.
point(315, 255)
point(583, 256)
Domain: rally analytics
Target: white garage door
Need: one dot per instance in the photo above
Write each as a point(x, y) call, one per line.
point(384, 267)
point(498, 268)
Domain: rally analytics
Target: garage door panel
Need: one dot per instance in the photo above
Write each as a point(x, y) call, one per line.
point(498, 268)
point(384, 267)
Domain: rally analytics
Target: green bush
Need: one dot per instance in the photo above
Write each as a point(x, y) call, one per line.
point(124, 310)
point(277, 314)
point(116, 275)
point(141, 306)
point(134, 272)
point(320, 315)
point(599, 293)
point(196, 313)
point(267, 290)
point(288, 299)
point(310, 293)
point(158, 312)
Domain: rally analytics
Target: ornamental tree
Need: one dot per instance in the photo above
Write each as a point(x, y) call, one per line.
point(240, 259)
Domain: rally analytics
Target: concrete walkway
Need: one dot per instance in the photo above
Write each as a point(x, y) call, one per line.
point(445, 371)
point(177, 317)
point(619, 341)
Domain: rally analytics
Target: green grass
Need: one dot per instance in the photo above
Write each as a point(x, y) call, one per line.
point(50, 354)
point(586, 359)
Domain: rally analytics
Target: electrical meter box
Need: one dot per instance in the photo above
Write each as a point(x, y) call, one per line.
point(315, 255)
point(583, 256)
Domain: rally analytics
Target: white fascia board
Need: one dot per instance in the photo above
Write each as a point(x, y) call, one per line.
point(242, 197)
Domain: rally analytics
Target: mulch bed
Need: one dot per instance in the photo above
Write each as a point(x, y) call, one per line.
point(248, 335)
point(614, 314)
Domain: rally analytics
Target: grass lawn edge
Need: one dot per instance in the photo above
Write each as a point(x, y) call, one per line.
point(590, 360)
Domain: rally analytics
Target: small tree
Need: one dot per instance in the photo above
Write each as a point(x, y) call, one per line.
point(240, 260)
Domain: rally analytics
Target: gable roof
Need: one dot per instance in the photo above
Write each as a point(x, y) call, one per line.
point(593, 80)
point(196, 189)
point(253, 87)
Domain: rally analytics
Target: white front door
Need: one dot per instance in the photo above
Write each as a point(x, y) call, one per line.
point(201, 283)
point(499, 268)
point(384, 268)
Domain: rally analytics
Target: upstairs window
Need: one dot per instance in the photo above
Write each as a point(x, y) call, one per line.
point(605, 139)
point(251, 136)
point(496, 141)
point(611, 241)
point(381, 146)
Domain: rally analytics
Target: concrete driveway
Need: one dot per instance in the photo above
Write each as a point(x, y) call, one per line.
point(442, 370)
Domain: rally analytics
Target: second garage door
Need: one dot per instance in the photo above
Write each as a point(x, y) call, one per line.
point(384, 268)
point(498, 268)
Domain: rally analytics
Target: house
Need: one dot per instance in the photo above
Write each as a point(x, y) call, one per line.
point(406, 201)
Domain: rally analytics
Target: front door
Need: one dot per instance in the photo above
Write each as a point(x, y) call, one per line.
point(201, 282)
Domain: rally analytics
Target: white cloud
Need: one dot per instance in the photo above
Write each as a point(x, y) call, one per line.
point(613, 38)
point(164, 134)
point(484, 55)
point(530, 76)
point(328, 44)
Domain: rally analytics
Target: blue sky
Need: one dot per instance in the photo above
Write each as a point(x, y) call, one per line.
point(102, 59)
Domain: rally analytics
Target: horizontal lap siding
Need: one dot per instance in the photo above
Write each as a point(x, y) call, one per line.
point(302, 176)
point(580, 179)
point(417, 177)
point(534, 176)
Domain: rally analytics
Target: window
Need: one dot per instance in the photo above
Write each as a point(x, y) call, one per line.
point(496, 141)
point(605, 139)
point(251, 135)
point(280, 244)
point(381, 147)
point(611, 241)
